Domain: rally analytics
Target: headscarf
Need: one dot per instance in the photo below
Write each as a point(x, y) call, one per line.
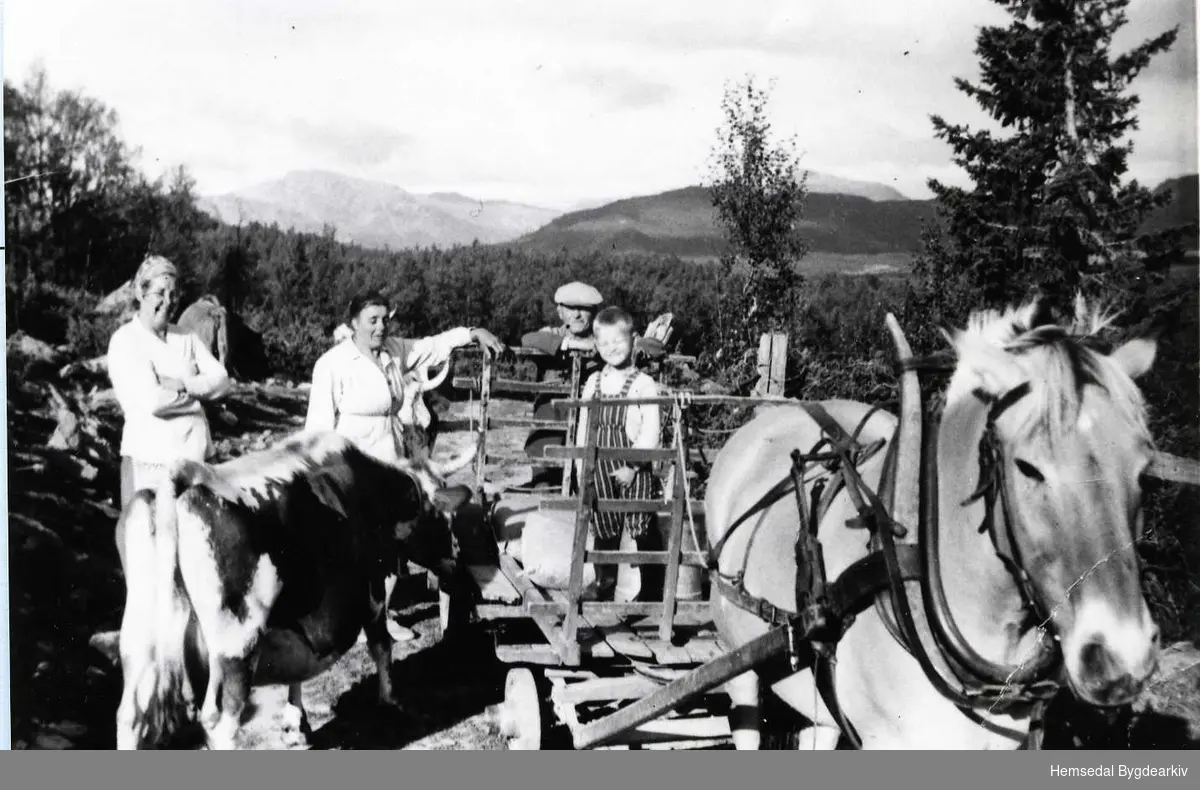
point(154, 266)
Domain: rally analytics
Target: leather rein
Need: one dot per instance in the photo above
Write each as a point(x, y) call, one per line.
point(825, 610)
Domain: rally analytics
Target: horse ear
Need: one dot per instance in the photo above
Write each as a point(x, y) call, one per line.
point(450, 499)
point(1136, 356)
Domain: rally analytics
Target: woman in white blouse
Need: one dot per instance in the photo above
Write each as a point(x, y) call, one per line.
point(356, 384)
point(160, 374)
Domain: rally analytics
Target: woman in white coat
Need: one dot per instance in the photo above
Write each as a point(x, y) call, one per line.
point(161, 374)
point(357, 386)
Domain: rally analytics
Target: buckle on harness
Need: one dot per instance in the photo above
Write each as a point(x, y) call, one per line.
point(771, 613)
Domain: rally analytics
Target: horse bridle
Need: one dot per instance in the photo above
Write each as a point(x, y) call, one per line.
point(976, 680)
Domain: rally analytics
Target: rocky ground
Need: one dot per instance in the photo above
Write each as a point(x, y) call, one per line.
point(65, 586)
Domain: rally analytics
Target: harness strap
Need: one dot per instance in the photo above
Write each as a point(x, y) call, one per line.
point(1037, 727)
point(848, 595)
point(823, 676)
point(837, 437)
point(776, 493)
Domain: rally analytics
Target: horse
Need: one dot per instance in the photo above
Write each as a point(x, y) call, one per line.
point(1050, 580)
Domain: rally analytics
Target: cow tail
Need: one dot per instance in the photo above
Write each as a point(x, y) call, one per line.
point(173, 609)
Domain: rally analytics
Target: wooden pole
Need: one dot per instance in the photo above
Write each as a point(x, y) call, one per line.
point(576, 389)
point(675, 536)
point(772, 363)
point(685, 688)
point(583, 523)
point(485, 396)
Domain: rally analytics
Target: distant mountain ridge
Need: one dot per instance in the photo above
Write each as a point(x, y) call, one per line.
point(682, 222)
point(863, 219)
point(379, 214)
point(374, 213)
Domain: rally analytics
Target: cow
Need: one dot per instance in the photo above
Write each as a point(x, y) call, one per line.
point(263, 571)
point(207, 319)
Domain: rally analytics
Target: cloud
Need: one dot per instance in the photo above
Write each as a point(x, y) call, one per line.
point(619, 87)
point(546, 101)
point(357, 147)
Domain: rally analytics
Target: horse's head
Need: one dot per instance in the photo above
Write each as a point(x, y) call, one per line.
point(1070, 430)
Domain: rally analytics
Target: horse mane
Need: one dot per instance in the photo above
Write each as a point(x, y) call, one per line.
point(1060, 359)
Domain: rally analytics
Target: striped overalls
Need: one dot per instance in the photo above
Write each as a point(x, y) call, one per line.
point(611, 433)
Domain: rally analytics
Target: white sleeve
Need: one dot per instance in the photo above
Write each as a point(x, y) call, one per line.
point(134, 381)
point(212, 381)
point(436, 349)
point(322, 410)
point(650, 416)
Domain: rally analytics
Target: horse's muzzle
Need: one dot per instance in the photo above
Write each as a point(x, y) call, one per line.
point(1110, 675)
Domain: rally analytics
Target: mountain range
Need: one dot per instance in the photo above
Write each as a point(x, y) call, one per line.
point(841, 217)
point(374, 213)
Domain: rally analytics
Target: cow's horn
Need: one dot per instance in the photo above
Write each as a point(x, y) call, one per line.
point(906, 506)
point(455, 463)
point(426, 382)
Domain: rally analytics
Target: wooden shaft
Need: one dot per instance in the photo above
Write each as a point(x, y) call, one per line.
point(683, 689)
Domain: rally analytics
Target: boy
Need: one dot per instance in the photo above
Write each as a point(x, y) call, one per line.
point(621, 426)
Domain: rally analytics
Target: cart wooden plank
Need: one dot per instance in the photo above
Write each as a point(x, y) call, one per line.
point(501, 611)
point(566, 648)
point(557, 502)
point(596, 609)
point(610, 453)
point(493, 584)
point(526, 422)
point(626, 642)
point(642, 557)
point(512, 385)
point(611, 688)
point(680, 691)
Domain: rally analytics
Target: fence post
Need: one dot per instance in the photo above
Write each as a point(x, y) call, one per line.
point(485, 397)
point(772, 363)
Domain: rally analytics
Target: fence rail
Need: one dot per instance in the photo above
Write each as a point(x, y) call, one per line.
point(1175, 469)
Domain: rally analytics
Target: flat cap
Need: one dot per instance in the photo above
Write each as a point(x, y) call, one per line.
point(578, 294)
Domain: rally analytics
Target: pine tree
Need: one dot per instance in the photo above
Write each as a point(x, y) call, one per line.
point(1049, 211)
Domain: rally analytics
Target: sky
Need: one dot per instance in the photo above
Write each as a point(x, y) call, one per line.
point(551, 102)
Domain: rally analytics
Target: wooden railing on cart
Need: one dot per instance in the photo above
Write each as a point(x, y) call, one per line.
point(573, 610)
point(487, 384)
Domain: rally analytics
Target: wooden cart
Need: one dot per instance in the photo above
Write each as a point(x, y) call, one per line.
point(638, 673)
point(576, 660)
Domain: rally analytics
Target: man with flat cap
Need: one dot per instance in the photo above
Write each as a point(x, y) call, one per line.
point(577, 304)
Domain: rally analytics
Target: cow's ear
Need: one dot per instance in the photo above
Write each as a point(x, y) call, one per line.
point(452, 498)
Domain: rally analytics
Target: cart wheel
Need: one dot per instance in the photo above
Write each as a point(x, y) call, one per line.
point(520, 717)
